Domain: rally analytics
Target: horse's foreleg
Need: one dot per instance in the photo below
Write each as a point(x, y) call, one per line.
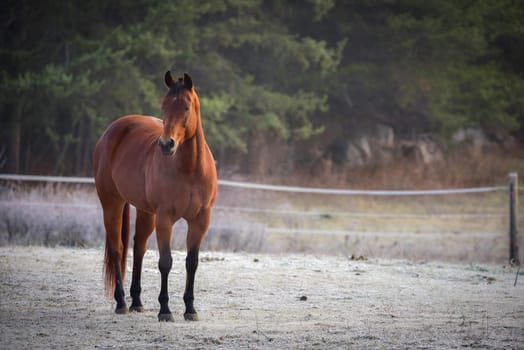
point(196, 231)
point(145, 223)
point(191, 266)
point(164, 226)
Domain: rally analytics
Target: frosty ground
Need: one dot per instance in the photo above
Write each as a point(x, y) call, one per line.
point(53, 298)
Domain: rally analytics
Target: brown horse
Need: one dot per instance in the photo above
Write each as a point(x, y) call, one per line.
point(166, 170)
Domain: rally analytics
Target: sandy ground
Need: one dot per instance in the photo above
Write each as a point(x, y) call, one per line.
point(53, 298)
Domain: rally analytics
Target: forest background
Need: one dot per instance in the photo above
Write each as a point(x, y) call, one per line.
point(368, 93)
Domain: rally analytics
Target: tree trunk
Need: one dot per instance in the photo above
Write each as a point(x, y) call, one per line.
point(13, 145)
point(87, 157)
point(255, 156)
point(80, 146)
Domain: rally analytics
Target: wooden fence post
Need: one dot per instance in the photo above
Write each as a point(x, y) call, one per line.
point(513, 207)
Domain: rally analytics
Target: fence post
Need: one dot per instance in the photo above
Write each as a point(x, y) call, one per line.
point(513, 207)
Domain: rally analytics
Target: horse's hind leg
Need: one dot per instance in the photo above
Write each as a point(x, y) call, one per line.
point(196, 230)
point(145, 223)
point(115, 251)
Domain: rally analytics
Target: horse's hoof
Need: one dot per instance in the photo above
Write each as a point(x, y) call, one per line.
point(166, 318)
point(139, 308)
point(191, 317)
point(121, 311)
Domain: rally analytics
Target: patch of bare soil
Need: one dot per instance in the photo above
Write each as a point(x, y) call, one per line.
point(53, 298)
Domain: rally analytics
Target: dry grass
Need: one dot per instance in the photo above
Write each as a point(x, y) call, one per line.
point(466, 228)
point(460, 169)
point(50, 215)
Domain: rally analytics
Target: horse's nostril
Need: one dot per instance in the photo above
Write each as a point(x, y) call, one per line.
point(168, 147)
point(168, 144)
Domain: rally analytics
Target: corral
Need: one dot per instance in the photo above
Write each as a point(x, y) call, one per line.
point(53, 298)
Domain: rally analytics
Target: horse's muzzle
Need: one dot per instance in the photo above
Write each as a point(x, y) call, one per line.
point(167, 147)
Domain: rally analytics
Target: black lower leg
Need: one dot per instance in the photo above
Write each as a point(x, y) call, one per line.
point(164, 265)
point(191, 267)
point(135, 295)
point(121, 306)
point(135, 285)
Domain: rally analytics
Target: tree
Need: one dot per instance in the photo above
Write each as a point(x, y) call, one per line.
point(95, 61)
point(270, 74)
point(439, 65)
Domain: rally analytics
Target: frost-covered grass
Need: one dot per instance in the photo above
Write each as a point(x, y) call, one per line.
point(50, 215)
point(54, 299)
point(70, 215)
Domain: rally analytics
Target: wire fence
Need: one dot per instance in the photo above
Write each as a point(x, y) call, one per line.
point(457, 224)
point(255, 186)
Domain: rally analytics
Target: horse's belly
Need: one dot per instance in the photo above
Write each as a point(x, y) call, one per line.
point(132, 191)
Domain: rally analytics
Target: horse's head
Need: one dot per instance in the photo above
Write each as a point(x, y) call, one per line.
point(180, 108)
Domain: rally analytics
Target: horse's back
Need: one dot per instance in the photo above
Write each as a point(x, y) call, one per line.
point(141, 130)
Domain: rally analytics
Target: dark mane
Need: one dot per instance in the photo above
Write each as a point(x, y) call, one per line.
point(177, 87)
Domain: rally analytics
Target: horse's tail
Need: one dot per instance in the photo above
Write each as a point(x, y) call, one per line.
point(109, 266)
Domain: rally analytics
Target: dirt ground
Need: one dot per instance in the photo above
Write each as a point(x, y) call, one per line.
point(53, 298)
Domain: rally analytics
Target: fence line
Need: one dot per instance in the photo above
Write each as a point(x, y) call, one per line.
point(344, 233)
point(512, 190)
point(378, 234)
point(37, 178)
point(359, 214)
point(10, 203)
point(6, 203)
point(295, 189)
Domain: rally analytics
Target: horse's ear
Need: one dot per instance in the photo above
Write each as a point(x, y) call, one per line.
point(168, 79)
point(188, 82)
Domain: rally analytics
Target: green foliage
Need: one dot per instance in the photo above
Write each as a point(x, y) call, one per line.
point(107, 60)
point(458, 54)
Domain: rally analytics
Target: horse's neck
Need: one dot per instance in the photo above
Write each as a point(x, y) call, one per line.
point(193, 150)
